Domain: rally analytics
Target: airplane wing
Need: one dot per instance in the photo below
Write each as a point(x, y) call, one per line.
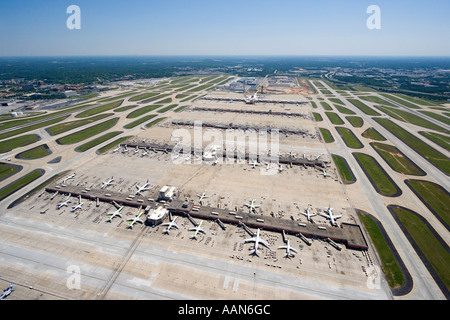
point(250, 240)
point(169, 224)
point(263, 242)
point(117, 214)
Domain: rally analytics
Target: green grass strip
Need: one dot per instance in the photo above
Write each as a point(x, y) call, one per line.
point(139, 121)
point(112, 144)
point(396, 159)
point(87, 133)
point(439, 139)
point(141, 111)
point(364, 108)
point(349, 138)
point(20, 183)
point(100, 109)
point(380, 180)
point(344, 169)
point(389, 265)
point(433, 249)
point(32, 127)
point(427, 152)
point(327, 136)
point(22, 141)
point(434, 197)
point(334, 118)
point(67, 126)
point(373, 134)
point(91, 144)
point(35, 153)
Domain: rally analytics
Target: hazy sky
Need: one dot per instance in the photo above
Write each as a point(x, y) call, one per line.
point(224, 27)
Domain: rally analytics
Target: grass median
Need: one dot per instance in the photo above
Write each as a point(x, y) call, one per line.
point(430, 154)
point(87, 133)
point(378, 177)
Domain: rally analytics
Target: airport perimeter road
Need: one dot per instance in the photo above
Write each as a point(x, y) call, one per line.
point(424, 285)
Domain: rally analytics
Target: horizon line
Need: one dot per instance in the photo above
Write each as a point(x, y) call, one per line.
point(226, 56)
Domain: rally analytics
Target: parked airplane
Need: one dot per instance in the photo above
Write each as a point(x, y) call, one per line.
point(308, 214)
point(79, 206)
point(254, 164)
point(136, 150)
point(107, 182)
point(72, 176)
point(257, 240)
point(197, 229)
point(145, 153)
point(117, 213)
point(329, 215)
point(116, 150)
point(125, 149)
point(143, 188)
point(325, 174)
point(251, 99)
point(202, 196)
point(251, 206)
point(288, 249)
point(132, 221)
point(7, 291)
point(64, 203)
point(170, 225)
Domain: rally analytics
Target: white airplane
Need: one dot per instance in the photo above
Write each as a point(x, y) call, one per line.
point(329, 215)
point(132, 221)
point(79, 206)
point(125, 150)
point(197, 229)
point(202, 196)
point(288, 250)
point(117, 213)
point(116, 150)
point(72, 176)
point(251, 206)
point(136, 150)
point(251, 99)
point(7, 291)
point(143, 188)
point(325, 174)
point(170, 225)
point(308, 213)
point(257, 240)
point(107, 182)
point(64, 203)
point(280, 168)
point(145, 153)
point(254, 164)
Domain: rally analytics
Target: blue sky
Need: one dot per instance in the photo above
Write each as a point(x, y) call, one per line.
point(225, 27)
